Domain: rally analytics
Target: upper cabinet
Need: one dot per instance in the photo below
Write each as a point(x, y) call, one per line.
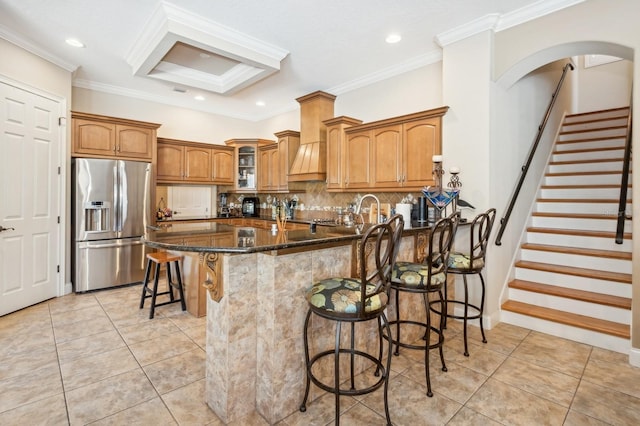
point(191, 162)
point(385, 155)
point(247, 168)
point(109, 137)
point(275, 161)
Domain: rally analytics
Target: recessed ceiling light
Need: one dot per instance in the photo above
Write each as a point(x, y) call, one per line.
point(199, 98)
point(393, 38)
point(260, 103)
point(73, 42)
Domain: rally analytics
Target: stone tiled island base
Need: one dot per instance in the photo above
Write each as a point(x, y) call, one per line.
point(255, 353)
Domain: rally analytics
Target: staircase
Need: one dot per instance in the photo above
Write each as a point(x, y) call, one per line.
point(572, 279)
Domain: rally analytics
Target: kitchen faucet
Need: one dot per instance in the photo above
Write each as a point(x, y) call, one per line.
point(378, 213)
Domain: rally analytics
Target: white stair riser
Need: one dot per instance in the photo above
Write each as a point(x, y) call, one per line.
point(606, 133)
point(606, 166)
point(588, 337)
point(615, 154)
point(601, 179)
point(580, 224)
point(605, 143)
point(578, 241)
point(593, 125)
point(594, 310)
point(589, 193)
point(577, 261)
point(572, 207)
point(577, 283)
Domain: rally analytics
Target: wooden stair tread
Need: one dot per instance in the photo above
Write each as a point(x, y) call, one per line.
point(594, 139)
point(595, 186)
point(589, 160)
point(609, 254)
point(571, 293)
point(575, 215)
point(587, 173)
point(578, 232)
point(575, 271)
point(596, 120)
point(599, 129)
point(598, 112)
point(588, 150)
point(575, 320)
point(581, 200)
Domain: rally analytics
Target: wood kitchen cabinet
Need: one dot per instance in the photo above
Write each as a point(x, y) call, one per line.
point(222, 165)
point(275, 160)
point(385, 155)
point(247, 167)
point(268, 161)
point(358, 160)
point(109, 137)
point(336, 147)
point(191, 162)
point(288, 144)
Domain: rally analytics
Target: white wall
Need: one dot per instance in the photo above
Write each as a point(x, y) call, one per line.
point(603, 86)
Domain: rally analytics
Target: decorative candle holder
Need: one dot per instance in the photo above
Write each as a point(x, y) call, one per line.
point(455, 184)
point(439, 197)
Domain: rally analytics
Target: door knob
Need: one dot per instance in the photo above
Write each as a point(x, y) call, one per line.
point(2, 228)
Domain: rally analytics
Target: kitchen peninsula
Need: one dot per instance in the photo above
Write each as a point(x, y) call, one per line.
point(255, 304)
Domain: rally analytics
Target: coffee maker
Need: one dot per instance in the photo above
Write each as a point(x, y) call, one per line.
point(250, 207)
point(223, 207)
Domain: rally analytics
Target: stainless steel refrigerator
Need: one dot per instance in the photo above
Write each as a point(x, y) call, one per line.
point(111, 208)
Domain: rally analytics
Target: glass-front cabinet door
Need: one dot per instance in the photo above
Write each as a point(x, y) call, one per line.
point(246, 179)
point(246, 168)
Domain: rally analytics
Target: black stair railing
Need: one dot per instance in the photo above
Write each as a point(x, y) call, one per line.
point(532, 152)
point(624, 185)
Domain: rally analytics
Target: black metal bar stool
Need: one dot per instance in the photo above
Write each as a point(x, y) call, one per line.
point(354, 300)
point(158, 259)
point(471, 262)
point(424, 279)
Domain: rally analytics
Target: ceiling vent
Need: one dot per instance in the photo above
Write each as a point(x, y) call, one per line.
point(182, 48)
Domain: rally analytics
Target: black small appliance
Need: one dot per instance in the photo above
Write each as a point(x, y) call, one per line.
point(423, 210)
point(250, 207)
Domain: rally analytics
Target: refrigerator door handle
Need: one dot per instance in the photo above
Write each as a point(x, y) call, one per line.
point(118, 194)
point(91, 244)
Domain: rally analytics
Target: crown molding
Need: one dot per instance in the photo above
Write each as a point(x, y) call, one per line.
point(533, 11)
point(145, 96)
point(27, 45)
point(392, 71)
point(497, 22)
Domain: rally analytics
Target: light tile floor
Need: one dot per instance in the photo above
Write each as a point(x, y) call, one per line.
point(97, 359)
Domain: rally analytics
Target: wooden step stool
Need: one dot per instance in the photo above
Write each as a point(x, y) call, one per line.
point(159, 259)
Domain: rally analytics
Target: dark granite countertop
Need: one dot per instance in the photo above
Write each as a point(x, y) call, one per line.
point(216, 237)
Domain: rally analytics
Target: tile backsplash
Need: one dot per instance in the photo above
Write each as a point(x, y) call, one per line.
point(314, 203)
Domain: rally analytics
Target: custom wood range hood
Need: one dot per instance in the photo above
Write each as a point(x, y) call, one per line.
point(310, 163)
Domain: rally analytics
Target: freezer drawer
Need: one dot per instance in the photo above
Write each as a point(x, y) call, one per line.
point(108, 263)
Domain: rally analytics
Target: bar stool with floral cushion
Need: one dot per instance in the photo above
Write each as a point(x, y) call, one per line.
point(423, 279)
point(468, 263)
point(355, 300)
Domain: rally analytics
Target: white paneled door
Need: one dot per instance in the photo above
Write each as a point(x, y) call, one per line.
point(29, 198)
